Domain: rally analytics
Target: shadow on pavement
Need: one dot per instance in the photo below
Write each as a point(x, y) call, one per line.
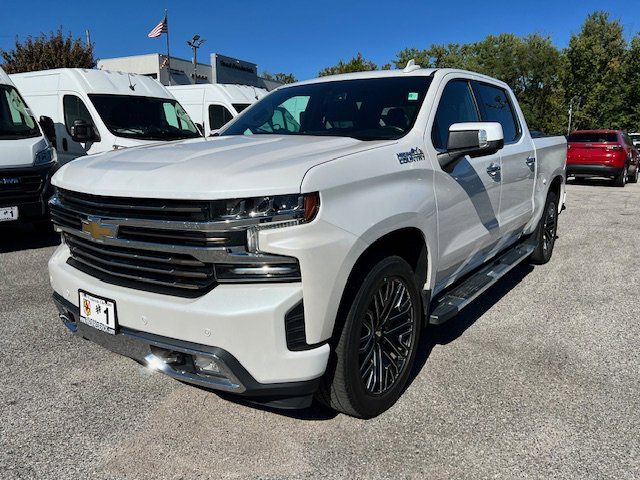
point(455, 328)
point(592, 182)
point(26, 237)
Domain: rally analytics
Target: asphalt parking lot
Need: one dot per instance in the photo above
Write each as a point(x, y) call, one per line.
point(537, 379)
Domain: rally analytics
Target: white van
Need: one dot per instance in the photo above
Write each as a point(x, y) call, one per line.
point(27, 162)
point(94, 111)
point(213, 105)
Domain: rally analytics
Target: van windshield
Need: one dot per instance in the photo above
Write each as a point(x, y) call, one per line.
point(16, 120)
point(144, 118)
point(365, 109)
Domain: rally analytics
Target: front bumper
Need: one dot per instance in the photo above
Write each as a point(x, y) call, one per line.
point(594, 170)
point(153, 350)
point(242, 324)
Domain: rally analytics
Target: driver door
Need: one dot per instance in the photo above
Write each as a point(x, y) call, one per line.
point(468, 193)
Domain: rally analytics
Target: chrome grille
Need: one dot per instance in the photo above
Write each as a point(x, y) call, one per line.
point(169, 273)
point(147, 208)
point(142, 243)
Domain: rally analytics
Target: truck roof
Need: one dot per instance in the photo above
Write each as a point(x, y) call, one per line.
point(231, 92)
point(409, 71)
point(90, 81)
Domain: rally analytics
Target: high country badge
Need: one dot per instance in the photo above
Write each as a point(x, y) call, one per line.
point(413, 155)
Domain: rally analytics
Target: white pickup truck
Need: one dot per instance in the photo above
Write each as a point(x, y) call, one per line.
point(306, 250)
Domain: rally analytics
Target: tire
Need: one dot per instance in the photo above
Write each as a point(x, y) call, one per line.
point(621, 180)
point(370, 336)
point(636, 174)
point(546, 231)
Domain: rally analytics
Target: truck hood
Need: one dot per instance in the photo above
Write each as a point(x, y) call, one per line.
point(222, 167)
point(21, 152)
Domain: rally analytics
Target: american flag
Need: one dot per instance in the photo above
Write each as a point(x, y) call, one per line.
point(159, 29)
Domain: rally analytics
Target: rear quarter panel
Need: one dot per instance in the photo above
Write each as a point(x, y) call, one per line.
point(551, 159)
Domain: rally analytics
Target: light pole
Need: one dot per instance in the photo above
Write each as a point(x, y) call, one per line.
point(195, 43)
point(574, 100)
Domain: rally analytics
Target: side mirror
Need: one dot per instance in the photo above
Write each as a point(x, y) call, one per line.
point(82, 132)
point(49, 129)
point(475, 139)
point(200, 128)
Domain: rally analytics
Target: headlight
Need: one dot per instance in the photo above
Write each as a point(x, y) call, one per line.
point(45, 157)
point(279, 211)
point(273, 208)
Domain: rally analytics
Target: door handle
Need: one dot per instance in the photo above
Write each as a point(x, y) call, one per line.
point(494, 169)
point(530, 161)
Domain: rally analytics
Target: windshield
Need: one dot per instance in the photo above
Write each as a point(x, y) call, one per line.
point(144, 118)
point(366, 109)
point(16, 120)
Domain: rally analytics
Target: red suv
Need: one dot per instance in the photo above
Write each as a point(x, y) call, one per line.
point(602, 153)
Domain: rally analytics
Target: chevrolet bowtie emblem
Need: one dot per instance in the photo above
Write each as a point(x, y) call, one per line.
point(98, 230)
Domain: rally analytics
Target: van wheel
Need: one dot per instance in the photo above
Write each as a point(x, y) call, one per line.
point(546, 231)
point(376, 347)
point(621, 180)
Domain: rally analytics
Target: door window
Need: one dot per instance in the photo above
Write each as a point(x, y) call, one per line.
point(75, 109)
point(456, 106)
point(495, 106)
point(218, 116)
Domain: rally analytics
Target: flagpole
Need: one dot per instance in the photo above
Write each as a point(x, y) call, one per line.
point(166, 17)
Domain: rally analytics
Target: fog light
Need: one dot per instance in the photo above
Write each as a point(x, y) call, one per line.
point(206, 365)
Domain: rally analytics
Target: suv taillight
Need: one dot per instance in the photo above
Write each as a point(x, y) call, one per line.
point(614, 147)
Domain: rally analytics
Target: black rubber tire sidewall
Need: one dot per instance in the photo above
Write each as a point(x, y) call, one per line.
point(539, 257)
point(348, 393)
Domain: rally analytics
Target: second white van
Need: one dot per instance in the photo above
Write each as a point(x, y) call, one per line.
point(214, 105)
point(86, 111)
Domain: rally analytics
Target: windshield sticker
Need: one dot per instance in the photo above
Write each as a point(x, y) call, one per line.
point(412, 96)
point(413, 155)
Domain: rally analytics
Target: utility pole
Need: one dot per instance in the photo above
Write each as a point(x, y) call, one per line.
point(195, 43)
point(574, 100)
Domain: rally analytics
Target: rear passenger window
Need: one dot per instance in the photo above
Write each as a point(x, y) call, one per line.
point(218, 116)
point(75, 109)
point(456, 106)
point(495, 106)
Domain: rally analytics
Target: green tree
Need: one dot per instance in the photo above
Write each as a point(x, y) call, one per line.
point(279, 77)
point(595, 69)
point(631, 120)
point(55, 50)
point(530, 66)
point(356, 64)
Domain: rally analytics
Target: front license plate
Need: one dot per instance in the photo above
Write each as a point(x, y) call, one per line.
point(8, 214)
point(98, 312)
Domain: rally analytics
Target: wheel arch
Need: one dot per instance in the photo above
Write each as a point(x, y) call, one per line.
point(408, 243)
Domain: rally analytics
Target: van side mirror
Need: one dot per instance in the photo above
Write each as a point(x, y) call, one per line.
point(49, 129)
point(476, 139)
point(82, 132)
point(200, 128)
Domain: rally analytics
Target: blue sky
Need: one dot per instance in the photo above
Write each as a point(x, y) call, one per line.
point(303, 37)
